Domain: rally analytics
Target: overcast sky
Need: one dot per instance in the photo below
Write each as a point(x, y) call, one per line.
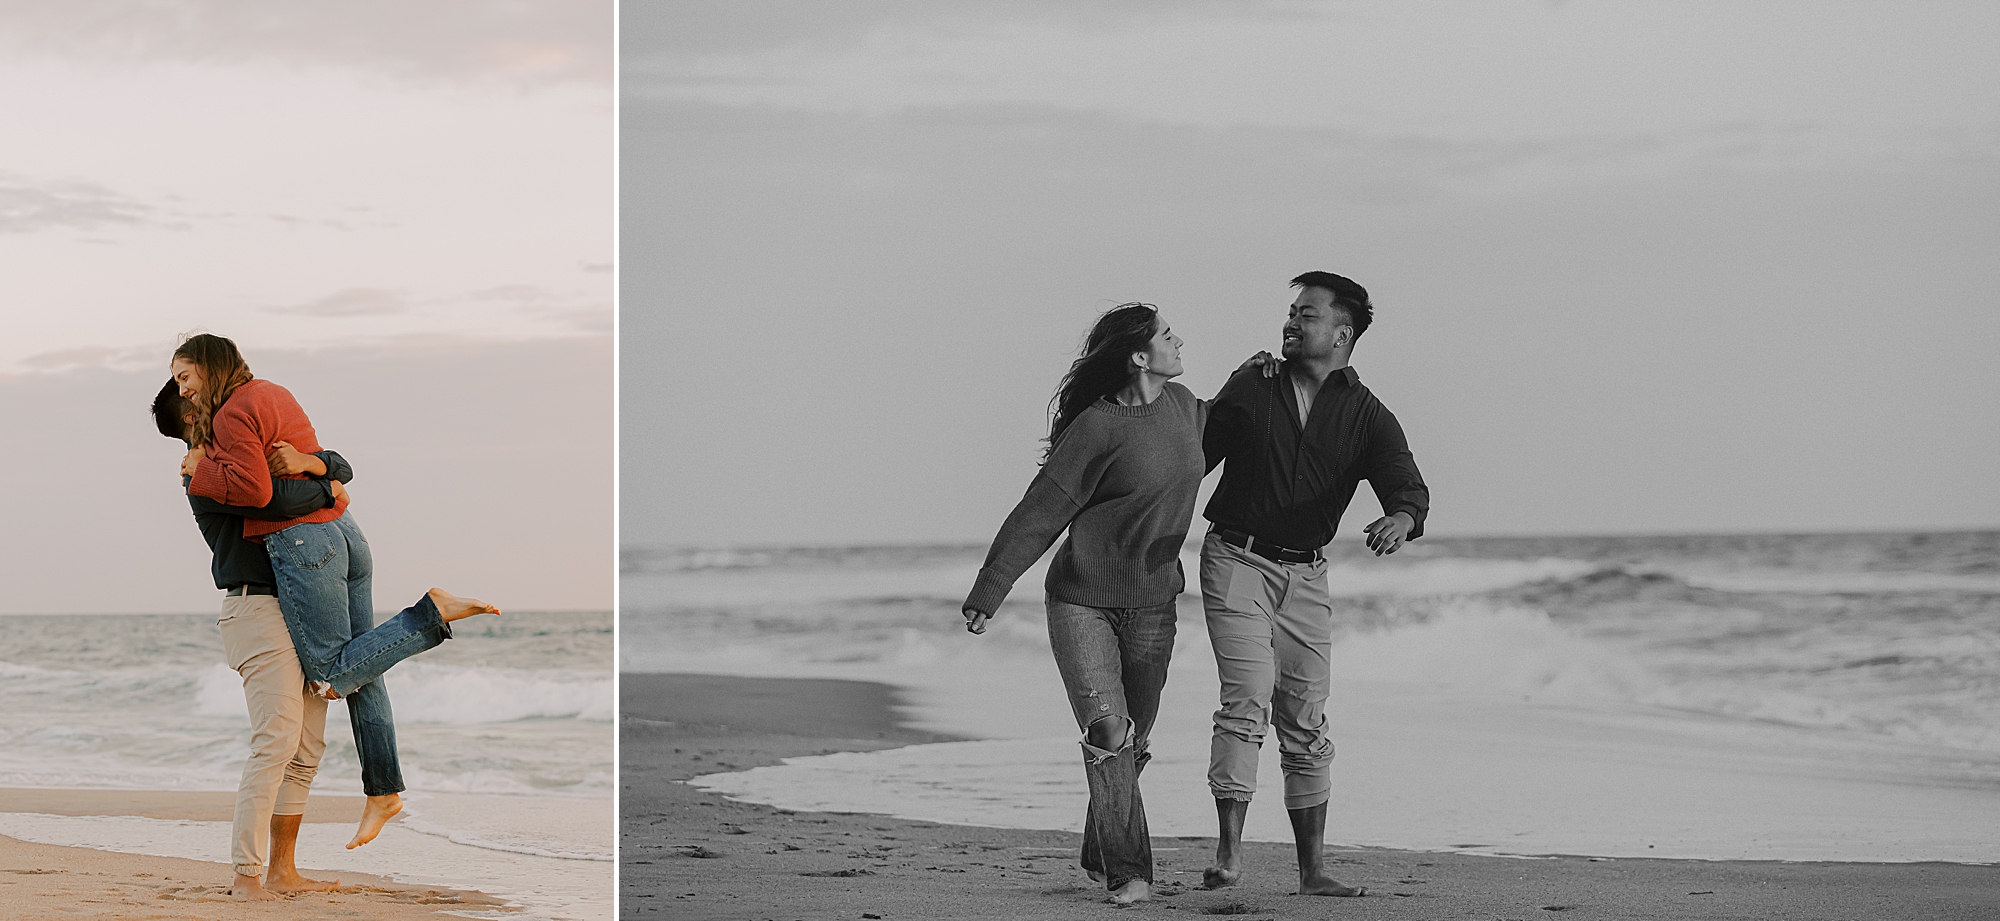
point(1638, 268)
point(401, 212)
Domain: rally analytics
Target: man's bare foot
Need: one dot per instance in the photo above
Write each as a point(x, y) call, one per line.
point(1137, 890)
point(451, 607)
point(1327, 885)
point(293, 882)
point(1228, 867)
point(1095, 876)
point(374, 815)
point(250, 889)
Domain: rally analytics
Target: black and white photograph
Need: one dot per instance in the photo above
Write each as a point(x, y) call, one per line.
point(1475, 460)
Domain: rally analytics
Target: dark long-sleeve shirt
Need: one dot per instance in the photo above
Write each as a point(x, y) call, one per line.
point(1288, 484)
point(242, 562)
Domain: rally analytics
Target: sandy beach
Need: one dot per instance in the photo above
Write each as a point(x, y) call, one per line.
point(687, 853)
point(40, 881)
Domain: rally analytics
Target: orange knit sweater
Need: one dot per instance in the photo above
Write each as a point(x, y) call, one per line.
point(234, 470)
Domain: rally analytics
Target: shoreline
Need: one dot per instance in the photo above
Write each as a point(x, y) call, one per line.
point(69, 853)
point(691, 853)
point(44, 882)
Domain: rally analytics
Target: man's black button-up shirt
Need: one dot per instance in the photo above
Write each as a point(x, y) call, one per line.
point(1289, 484)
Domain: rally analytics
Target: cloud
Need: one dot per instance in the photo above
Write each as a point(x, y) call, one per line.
point(349, 302)
point(758, 25)
point(539, 302)
point(93, 357)
point(30, 205)
point(529, 42)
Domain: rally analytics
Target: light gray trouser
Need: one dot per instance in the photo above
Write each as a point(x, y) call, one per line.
point(1271, 626)
point(287, 725)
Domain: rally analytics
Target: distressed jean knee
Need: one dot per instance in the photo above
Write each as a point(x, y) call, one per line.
point(1094, 754)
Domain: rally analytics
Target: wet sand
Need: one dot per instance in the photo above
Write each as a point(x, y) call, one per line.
point(686, 853)
point(40, 882)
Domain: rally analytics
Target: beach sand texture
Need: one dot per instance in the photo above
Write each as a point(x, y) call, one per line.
point(691, 854)
point(40, 882)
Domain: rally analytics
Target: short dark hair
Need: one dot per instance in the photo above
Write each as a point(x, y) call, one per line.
point(168, 408)
point(1347, 296)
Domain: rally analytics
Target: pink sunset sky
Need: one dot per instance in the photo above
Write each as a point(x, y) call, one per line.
point(401, 212)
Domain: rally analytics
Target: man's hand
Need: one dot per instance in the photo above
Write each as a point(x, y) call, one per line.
point(339, 491)
point(191, 461)
point(286, 460)
point(1387, 533)
point(1265, 360)
point(975, 621)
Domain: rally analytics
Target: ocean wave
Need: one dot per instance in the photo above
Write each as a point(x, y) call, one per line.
point(1502, 649)
point(424, 693)
point(511, 842)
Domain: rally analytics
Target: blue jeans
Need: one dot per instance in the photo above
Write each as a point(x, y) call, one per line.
point(1114, 663)
point(325, 574)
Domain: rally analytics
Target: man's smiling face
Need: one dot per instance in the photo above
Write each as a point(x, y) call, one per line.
point(1313, 327)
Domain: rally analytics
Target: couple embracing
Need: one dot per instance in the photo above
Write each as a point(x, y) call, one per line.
point(1127, 451)
point(298, 617)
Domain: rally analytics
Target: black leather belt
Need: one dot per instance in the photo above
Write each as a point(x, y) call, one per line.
point(1269, 551)
point(250, 590)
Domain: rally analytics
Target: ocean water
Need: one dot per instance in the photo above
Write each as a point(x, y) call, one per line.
point(1700, 696)
point(505, 736)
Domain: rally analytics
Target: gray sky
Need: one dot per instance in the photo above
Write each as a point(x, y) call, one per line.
point(1666, 267)
point(401, 213)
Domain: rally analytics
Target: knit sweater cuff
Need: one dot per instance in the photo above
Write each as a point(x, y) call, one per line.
point(988, 591)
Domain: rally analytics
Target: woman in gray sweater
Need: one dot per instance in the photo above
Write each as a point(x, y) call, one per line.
point(1123, 464)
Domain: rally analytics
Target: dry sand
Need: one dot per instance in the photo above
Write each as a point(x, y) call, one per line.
point(691, 854)
point(40, 882)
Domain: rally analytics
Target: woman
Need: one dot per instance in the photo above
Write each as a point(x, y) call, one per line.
point(1123, 463)
point(242, 431)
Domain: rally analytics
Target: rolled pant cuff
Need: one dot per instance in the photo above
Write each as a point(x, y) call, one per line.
point(1305, 792)
point(244, 870)
point(1237, 795)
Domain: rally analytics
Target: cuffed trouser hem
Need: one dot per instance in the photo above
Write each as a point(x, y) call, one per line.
point(1304, 791)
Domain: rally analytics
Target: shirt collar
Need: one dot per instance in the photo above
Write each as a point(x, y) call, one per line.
point(1344, 377)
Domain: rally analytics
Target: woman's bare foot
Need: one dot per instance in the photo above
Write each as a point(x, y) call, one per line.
point(1219, 877)
point(250, 889)
point(451, 607)
point(1095, 876)
point(374, 815)
point(293, 882)
point(1137, 890)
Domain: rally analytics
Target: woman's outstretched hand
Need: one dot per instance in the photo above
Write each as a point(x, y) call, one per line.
point(286, 460)
point(1265, 360)
point(975, 621)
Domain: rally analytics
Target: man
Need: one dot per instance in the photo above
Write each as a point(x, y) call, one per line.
point(1297, 439)
point(288, 723)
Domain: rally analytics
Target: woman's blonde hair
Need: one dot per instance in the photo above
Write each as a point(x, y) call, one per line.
point(222, 371)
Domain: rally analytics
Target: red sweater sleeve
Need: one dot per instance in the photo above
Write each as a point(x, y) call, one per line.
point(233, 470)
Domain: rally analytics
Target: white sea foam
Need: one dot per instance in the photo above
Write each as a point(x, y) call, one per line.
point(426, 693)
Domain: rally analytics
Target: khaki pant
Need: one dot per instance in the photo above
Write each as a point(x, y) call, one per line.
point(1271, 625)
point(287, 725)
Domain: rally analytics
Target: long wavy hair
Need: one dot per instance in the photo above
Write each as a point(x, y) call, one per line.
point(1104, 366)
point(222, 371)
